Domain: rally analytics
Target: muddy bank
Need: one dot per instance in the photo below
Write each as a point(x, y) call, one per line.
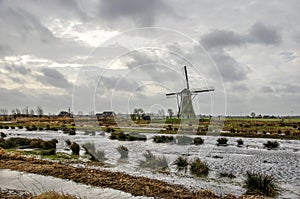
point(137, 186)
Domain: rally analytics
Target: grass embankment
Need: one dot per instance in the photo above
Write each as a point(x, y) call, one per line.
point(15, 194)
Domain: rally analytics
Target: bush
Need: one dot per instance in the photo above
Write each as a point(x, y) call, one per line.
point(199, 169)
point(198, 141)
point(260, 184)
point(123, 150)
point(3, 135)
point(184, 140)
point(121, 136)
point(20, 127)
point(181, 164)
point(271, 144)
point(240, 142)
point(75, 148)
point(154, 162)
point(162, 139)
point(222, 142)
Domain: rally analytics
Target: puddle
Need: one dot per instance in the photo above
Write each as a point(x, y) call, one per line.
point(37, 184)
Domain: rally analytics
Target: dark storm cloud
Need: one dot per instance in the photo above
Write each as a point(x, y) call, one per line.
point(18, 69)
point(229, 68)
point(119, 83)
point(263, 34)
point(151, 64)
point(23, 33)
point(54, 78)
point(142, 12)
point(258, 34)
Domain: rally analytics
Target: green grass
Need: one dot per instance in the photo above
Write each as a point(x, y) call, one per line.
point(260, 184)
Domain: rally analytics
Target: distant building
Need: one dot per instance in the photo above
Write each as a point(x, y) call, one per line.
point(64, 114)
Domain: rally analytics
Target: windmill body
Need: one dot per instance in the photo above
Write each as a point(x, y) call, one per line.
point(185, 98)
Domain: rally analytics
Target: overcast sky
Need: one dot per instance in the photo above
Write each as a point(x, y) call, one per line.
point(125, 54)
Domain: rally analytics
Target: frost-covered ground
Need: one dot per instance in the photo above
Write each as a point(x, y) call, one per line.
point(282, 163)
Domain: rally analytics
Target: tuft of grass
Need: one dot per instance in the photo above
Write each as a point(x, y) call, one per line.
point(261, 184)
point(163, 139)
point(123, 150)
point(222, 142)
point(75, 148)
point(199, 168)
point(198, 141)
point(153, 162)
point(240, 142)
point(94, 155)
point(227, 175)
point(271, 144)
point(181, 164)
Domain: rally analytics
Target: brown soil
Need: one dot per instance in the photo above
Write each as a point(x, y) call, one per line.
point(137, 186)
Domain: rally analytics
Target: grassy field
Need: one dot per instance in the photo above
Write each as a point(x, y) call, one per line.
point(283, 128)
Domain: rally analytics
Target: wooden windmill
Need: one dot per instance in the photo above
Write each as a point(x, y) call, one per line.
point(185, 98)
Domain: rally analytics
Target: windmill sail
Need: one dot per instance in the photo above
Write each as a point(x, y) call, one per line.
point(185, 104)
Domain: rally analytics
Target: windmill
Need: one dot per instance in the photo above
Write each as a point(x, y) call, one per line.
point(185, 98)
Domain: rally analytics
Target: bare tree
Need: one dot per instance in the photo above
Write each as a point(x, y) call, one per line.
point(170, 112)
point(39, 111)
point(31, 112)
point(3, 111)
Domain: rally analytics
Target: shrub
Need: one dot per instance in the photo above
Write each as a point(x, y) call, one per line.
point(222, 141)
point(198, 141)
point(12, 127)
point(121, 136)
point(181, 164)
point(163, 139)
point(75, 148)
point(184, 140)
point(240, 142)
point(260, 184)
point(123, 150)
point(271, 144)
point(20, 127)
point(3, 135)
point(199, 168)
point(154, 162)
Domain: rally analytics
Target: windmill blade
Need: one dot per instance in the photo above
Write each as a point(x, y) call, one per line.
point(170, 94)
point(186, 78)
point(203, 90)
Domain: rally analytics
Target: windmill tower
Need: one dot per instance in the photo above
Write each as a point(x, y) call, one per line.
point(185, 98)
